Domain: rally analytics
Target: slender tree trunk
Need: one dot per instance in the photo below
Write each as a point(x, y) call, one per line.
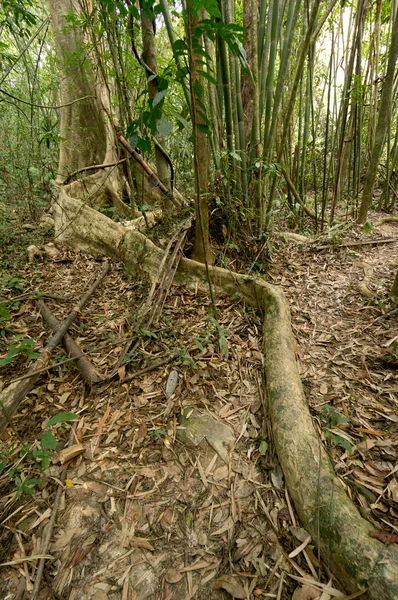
point(394, 289)
point(202, 249)
point(246, 79)
point(149, 58)
point(382, 124)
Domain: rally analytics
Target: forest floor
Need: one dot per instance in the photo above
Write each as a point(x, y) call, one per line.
point(142, 514)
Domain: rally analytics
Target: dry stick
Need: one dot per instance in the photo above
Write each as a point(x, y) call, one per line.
point(151, 367)
point(153, 178)
point(50, 527)
point(168, 271)
point(363, 243)
point(26, 386)
point(168, 275)
point(162, 264)
point(86, 368)
point(43, 370)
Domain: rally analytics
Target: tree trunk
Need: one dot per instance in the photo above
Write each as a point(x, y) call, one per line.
point(85, 139)
point(202, 249)
point(149, 58)
point(382, 124)
point(394, 289)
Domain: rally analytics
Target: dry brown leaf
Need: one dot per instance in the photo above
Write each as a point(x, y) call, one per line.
point(385, 536)
point(231, 585)
point(225, 527)
point(220, 473)
point(173, 575)
point(306, 592)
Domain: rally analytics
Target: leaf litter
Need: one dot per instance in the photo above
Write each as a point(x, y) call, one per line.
point(142, 514)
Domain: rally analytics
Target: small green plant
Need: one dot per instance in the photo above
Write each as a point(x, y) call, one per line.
point(148, 333)
point(14, 284)
point(24, 348)
point(368, 227)
point(335, 232)
point(31, 455)
point(262, 442)
point(184, 358)
point(157, 433)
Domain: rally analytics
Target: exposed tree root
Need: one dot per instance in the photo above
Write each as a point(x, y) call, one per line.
point(362, 286)
point(342, 535)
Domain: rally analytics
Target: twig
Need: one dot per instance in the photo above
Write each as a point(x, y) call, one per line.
point(151, 367)
point(50, 527)
point(43, 370)
point(45, 106)
point(92, 168)
point(360, 243)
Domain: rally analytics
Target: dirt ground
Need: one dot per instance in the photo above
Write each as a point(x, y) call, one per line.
point(140, 512)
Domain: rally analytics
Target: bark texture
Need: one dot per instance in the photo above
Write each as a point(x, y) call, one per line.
point(149, 57)
point(201, 249)
point(382, 124)
point(83, 131)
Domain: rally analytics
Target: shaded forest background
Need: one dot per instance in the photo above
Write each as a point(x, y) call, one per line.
point(293, 106)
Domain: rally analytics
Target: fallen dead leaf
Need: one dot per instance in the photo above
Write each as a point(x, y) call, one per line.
point(306, 592)
point(173, 575)
point(231, 585)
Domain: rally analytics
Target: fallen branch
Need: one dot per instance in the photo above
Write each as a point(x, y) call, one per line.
point(24, 387)
point(296, 195)
point(43, 370)
point(86, 368)
point(151, 367)
point(154, 181)
point(360, 243)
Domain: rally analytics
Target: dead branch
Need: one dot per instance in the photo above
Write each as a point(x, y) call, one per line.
point(39, 371)
point(24, 387)
point(85, 366)
point(50, 527)
point(93, 168)
point(151, 367)
point(360, 243)
point(152, 177)
point(166, 272)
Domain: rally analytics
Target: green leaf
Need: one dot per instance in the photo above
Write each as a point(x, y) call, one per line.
point(332, 417)
point(63, 417)
point(198, 89)
point(48, 441)
point(210, 6)
point(339, 441)
point(4, 314)
point(199, 345)
point(45, 463)
point(207, 76)
point(164, 127)
point(263, 447)
point(158, 98)
point(223, 344)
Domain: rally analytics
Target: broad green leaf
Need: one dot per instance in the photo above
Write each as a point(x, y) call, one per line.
point(158, 98)
point(164, 127)
point(48, 441)
point(263, 447)
point(63, 417)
